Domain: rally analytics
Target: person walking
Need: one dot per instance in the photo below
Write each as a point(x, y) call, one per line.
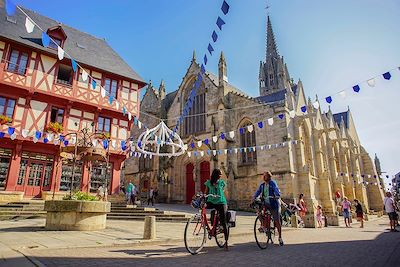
point(302, 206)
point(270, 196)
point(150, 197)
point(129, 191)
point(359, 213)
point(216, 187)
point(319, 216)
point(390, 208)
point(346, 208)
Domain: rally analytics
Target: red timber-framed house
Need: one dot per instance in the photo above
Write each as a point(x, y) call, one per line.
point(37, 88)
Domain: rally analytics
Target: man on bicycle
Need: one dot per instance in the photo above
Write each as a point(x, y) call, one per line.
point(270, 195)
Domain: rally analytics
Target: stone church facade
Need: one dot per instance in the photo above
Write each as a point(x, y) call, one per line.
point(328, 155)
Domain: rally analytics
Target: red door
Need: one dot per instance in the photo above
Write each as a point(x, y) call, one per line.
point(190, 185)
point(204, 174)
point(35, 179)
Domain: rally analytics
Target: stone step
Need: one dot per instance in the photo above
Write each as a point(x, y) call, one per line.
point(141, 218)
point(24, 216)
point(20, 209)
point(22, 212)
point(146, 214)
point(134, 210)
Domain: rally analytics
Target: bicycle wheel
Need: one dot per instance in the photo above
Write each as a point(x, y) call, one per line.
point(261, 233)
point(195, 235)
point(219, 235)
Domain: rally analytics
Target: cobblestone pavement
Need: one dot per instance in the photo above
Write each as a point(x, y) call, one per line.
point(333, 246)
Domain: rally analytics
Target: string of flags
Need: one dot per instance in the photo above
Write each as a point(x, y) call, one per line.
point(61, 53)
point(214, 37)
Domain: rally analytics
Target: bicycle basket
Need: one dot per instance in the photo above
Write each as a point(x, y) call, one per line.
point(196, 203)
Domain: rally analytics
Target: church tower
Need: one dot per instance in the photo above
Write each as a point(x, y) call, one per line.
point(273, 75)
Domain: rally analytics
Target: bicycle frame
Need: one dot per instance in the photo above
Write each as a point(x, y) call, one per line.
point(211, 230)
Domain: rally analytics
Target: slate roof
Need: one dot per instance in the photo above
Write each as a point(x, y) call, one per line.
point(167, 101)
point(96, 52)
point(338, 118)
point(274, 97)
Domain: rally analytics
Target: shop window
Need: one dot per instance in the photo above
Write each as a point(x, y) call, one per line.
point(17, 62)
point(111, 87)
point(98, 176)
point(57, 115)
point(66, 174)
point(5, 158)
point(64, 74)
point(7, 106)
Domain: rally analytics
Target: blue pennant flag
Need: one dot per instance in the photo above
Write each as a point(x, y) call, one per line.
point(260, 124)
point(158, 141)
point(192, 145)
point(1, 134)
point(197, 84)
point(38, 134)
point(209, 152)
point(206, 141)
point(387, 75)
point(341, 174)
point(124, 110)
point(105, 143)
point(93, 84)
point(203, 69)
point(66, 142)
point(45, 39)
point(387, 176)
point(225, 7)
point(241, 130)
point(199, 77)
point(74, 65)
point(280, 116)
point(328, 99)
point(123, 145)
point(220, 22)
point(356, 88)
point(139, 144)
point(61, 138)
point(195, 154)
point(11, 130)
point(45, 140)
point(111, 99)
point(210, 49)
point(135, 120)
point(374, 176)
point(352, 175)
point(205, 60)
point(303, 109)
point(219, 152)
point(214, 36)
point(241, 149)
point(222, 136)
point(10, 8)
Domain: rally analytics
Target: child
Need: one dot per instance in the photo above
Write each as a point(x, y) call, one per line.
point(319, 216)
point(360, 213)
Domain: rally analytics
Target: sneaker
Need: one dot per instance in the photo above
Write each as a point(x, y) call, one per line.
point(280, 241)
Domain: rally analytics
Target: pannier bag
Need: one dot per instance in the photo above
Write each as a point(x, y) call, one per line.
point(231, 217)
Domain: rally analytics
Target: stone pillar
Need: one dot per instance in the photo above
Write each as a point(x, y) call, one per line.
point(13, 172)
point(85, 177)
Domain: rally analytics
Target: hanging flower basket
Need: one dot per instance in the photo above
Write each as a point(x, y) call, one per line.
point(5, 120)
point(105, 136)
point(54, 127)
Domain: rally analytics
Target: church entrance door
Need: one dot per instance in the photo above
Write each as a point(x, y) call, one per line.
point(204, 174)
point(190, 185)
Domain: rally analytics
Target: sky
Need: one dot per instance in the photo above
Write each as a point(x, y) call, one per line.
point(329, 45)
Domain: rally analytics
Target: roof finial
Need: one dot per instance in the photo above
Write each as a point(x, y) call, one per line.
point(194, 56)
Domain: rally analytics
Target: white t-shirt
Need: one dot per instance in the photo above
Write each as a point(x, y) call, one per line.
point(389, 204)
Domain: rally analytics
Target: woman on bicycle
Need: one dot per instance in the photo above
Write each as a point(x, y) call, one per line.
point(216, 187)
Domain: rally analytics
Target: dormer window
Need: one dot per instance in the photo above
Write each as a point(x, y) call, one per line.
point(58, 35)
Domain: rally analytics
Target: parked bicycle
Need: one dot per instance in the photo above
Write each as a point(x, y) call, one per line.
point(198, 229)
point(287, 212)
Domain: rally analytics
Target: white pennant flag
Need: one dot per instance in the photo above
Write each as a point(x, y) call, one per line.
point(129, 116)
point(202, 153)
point(56, 141)
point(185, 147)
point(226, 151)
point(73, 140)
point(50, 137)
point(102, 92)
point(254, 148)
point(245, 149)
point(13, 136)
point(139, 124)
point(215, 139)
point(189, 154)
point(114, 144)
point(214, 152)
point(250, 128)
point(270, 121)
point(151, 156)
point(371, 82)
point(199, 143)
point(236, 150)
point(117, 104)
point(60, 53)
point(292, 114)
point(262, 147)
point(84, 75)
point(94, 142)
point(316, 104)
point(342, 94)
point(24, 133)
point(231, 134)
point(29, 25)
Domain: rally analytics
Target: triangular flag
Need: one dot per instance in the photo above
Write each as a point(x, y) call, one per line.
point(292, 113)
point(11, 130)
point(214, 36)
point(60, 53)
point(220, 22)
point(189, 154)
point(105, 143)
point(214, 152)
point(371, 82)
point(222, 136)
point(29, 25)
point(215, 139)
point(280, 116)
point(260, 124)
point(356, 88)
point(94, 142)
point(45, 140)
point(387, 75)
point(139, 124)
point(74, 65)
point(262, 147)
point(185, 147)
point(202, 69)
point(202, 153)
point(94, 85)
point(130, 116)
point(117, 105)
point(110, 99)
point(84, 75)
point(199, 143)
point(226, 151)
point(210, 49)
point(114, 144)
point(13, 136)
point(250, 128)
point(205, 59)
point(270, 121)
point(231, 134)
point(66, 142)
point(206, 141)
point(225, 7)
point(10, 8)
point(102, 92)
point(45, 39)
point(236, 150)
point(342, 94)
point(328, 99)
point(303, 109)
point(315, 105)
point(24, 133)
point(241, 130)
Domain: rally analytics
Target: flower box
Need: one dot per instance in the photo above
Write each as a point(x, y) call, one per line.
point(54, 127)
point(5, 120)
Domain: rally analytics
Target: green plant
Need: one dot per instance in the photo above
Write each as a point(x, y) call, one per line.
point(54, 127)
point(106, 135)
point(4, 119)
point(80, 196)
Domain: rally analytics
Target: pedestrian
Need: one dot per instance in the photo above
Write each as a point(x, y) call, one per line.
point(359, 213)
point(338, 197)
point(346, 208)
point(390, 208)
point(129, 191)
point(155, 194)
point(215, 187)
point(302, 206)
point(122, 188)
point(134, 194)
point(319, 216)
point(150, 197)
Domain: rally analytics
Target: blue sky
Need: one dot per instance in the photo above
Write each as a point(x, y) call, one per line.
point(329, 45)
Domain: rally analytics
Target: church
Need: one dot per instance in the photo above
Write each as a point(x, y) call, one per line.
point(319, 153)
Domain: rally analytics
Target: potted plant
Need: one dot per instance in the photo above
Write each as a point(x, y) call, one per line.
point(54, 127)
point(4, 119)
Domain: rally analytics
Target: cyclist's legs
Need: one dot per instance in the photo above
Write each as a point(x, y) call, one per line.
point(222, 209)
point(277, 220)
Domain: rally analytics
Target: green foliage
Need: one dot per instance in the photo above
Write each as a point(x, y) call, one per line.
point(4, 119)
point(80, 196)
point(54, 127)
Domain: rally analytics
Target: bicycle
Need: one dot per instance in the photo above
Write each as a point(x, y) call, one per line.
point(264, 226)
point(198, 227)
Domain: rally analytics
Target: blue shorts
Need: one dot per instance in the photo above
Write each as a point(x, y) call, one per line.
point(346, 213)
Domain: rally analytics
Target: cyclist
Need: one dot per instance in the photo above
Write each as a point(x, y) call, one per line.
point(216, 187)
point(270, 195)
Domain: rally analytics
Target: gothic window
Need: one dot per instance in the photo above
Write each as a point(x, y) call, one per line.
point(248, 140)
point(145, 163)
point(195, 121)
point(271, 79)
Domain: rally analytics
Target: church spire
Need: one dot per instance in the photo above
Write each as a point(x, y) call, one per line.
point(271, 49)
